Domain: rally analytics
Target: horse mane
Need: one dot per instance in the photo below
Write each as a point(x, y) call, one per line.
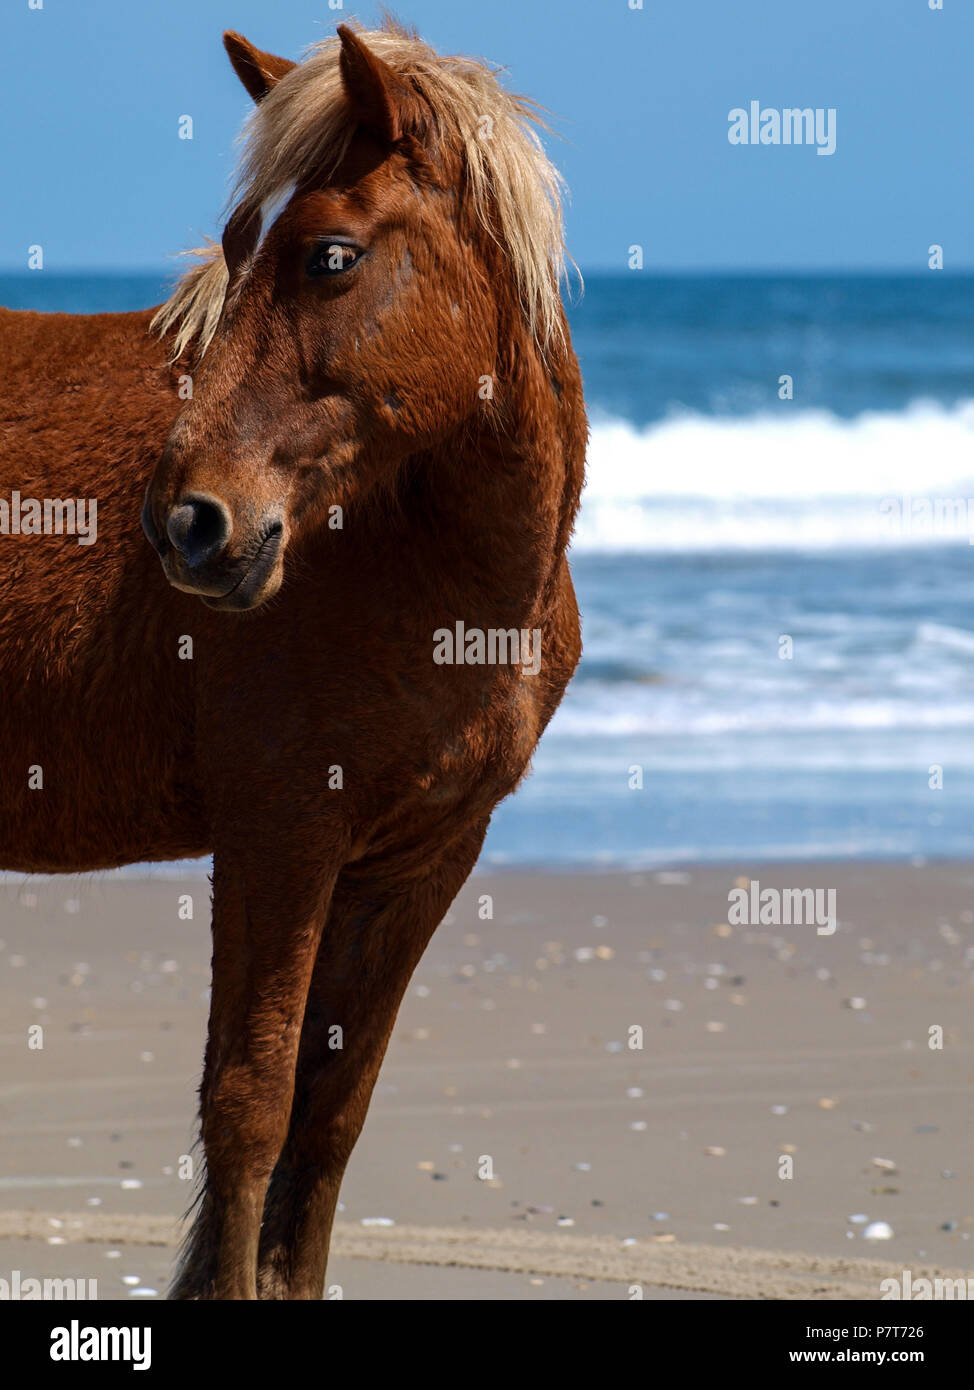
point(303, 127)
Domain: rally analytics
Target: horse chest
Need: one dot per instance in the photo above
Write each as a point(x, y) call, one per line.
point(485, 759)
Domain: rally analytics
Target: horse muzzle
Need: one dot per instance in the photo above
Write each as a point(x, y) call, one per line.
point(194, 548)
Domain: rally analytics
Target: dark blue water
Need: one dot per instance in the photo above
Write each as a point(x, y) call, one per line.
point(651, 346)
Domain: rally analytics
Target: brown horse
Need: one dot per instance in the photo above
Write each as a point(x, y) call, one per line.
point(361, 425)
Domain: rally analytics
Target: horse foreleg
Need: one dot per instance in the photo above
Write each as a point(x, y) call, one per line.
point(266, 930)
point(376, 932)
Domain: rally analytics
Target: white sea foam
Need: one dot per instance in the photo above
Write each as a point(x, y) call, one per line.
point(810, 479)
point(620, 714)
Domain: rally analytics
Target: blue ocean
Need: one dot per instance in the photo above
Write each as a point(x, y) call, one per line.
point(775, 568)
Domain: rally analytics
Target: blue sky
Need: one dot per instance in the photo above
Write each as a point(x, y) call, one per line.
point(94, 172)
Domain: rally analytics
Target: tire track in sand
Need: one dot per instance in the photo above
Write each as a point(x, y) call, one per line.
point(735, 1272)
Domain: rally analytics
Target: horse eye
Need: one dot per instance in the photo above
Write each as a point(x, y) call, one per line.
point(332, 258)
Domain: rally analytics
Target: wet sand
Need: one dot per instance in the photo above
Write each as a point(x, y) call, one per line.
point(613, 1167)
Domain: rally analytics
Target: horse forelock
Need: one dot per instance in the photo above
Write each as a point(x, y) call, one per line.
point(302, 130)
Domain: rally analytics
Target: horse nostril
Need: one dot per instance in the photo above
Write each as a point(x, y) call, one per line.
point(199, 528)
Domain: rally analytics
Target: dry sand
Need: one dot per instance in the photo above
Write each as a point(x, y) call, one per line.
point(614, 1168)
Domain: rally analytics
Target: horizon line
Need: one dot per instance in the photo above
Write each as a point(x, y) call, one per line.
point(171, 272)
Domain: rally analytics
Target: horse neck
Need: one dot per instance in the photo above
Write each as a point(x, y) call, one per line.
point(495, 506)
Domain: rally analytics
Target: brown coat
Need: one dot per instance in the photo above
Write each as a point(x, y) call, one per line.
point(342, 779)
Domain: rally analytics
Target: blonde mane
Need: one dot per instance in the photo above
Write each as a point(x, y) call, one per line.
point(303, 127)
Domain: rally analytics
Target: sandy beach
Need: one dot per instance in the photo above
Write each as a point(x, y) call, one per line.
point(655, 1169)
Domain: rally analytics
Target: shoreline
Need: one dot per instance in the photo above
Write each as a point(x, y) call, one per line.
point(183, 870)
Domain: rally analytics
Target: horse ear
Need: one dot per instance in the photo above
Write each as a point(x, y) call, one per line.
point(257, 70)
point(380, 99)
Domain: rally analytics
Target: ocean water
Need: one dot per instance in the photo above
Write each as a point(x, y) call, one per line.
point(777, 594)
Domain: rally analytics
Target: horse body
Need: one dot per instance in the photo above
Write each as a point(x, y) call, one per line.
point(341, 778)
point(91, 695)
